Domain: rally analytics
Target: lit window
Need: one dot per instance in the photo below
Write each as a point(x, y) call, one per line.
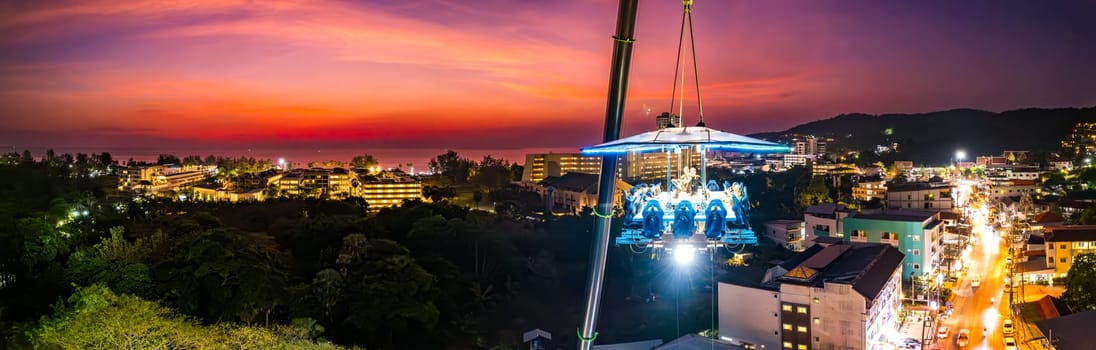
point(816, 300)
point(787, 326)
point(801, 329)
point(817, 321)
point(802, 347)
point(801, 309)
point(787, 308)
point(787, 345)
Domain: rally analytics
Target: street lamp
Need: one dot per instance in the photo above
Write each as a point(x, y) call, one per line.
point(959, 155)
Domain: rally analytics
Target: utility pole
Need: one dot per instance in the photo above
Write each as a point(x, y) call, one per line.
point(614, 113)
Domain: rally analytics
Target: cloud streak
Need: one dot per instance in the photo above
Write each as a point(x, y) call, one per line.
point(510, 74)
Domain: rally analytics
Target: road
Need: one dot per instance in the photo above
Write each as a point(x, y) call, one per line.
point(980, 308)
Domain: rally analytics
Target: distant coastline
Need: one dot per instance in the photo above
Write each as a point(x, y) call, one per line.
point(389, 158)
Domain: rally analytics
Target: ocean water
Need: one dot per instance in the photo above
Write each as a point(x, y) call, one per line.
point(419, 158)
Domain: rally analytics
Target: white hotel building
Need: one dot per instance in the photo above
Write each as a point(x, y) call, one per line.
point(839, 296)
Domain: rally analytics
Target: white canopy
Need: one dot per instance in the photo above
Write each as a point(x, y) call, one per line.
point(689, 136)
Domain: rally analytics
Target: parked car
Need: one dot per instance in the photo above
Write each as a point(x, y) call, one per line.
point(910, 343)
point(1007, 327)
point(942, 332)
point(1010, 343)
point(975, 281)
point(963, 339)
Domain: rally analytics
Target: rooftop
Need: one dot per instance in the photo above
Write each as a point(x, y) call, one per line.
point(1048, 217)
point(785, 222)
point(1036, 239)
point(576, 182)
point(826, 209)
point(865, 266)
point(916, 186)
point(1070, 332)
point(950, 215)
point(693, 341)
point(895, 215)
point(1070, 233)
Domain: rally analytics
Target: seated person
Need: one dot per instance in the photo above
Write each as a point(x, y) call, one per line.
point(713, 186)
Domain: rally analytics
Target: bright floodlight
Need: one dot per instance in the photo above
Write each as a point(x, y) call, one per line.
point(683, 255)
point(960, 155)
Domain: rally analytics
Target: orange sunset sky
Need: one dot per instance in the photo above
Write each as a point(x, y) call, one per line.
point(90, 75)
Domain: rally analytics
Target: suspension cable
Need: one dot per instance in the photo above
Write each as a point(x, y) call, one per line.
point(677, 64)
point(679, 67)
point(696, 72)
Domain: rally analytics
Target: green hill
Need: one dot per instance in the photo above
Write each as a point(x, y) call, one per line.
point(934, 137)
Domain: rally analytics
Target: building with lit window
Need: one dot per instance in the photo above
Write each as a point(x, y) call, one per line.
point(824, 220)
point(833, 169)
point(652, 167)
point(920, 195)
point(667, 120)
point(792, 160)
point(787, 233)
point(837, 296)
point(809, 145)
point(1082, 140)
point(1065, 242)
point(318, 183)
point(162, 178)
point(867, 189)
point(569, 194)
point(214, 193)
point(541, 165)
point(1012, 188)
point(917, 234)
point(388, 189)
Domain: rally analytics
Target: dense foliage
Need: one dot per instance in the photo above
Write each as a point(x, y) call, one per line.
point(1080, 284)
point(289, 271)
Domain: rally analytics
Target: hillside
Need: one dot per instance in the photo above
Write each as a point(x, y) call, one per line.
point(934, 137)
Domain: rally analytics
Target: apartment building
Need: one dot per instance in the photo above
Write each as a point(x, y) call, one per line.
point(1065, 242)
point(824, 220)
point(539, 166)
point(919, 195)
point(917, 234)
point(839, 296)
point(388, 189)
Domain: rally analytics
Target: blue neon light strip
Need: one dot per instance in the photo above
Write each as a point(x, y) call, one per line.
point(640, 148)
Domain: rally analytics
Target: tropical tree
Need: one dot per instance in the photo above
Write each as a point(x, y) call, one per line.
point(388, 295)
point(815, 193)
point(451, 166)
point(364, 161)
point(1080, 284)
point(81, 323)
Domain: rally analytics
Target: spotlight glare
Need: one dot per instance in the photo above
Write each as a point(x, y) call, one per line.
point(684, 255)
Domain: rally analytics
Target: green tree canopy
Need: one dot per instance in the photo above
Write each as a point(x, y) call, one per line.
point(815, 193)
point(451, 166)
point(81, 323)
point(1080, 285)
point(364, 161)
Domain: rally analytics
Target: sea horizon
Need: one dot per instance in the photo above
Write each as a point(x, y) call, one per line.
point(419, 158)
